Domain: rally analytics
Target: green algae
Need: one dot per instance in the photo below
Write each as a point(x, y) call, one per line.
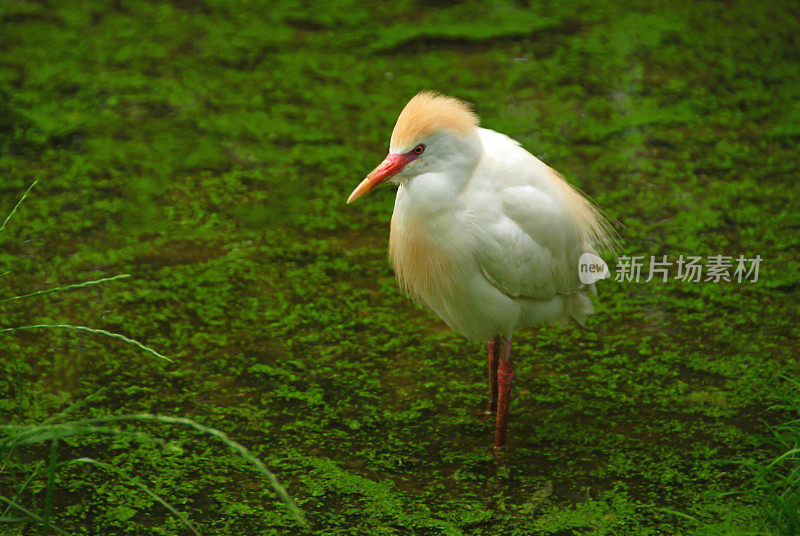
point(207, 148)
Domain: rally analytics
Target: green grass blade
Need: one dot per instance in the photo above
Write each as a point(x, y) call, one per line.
point(119, 472)
point(791, 453)
point(75, 405)
point(223, 437)
point(21, 199)
point(219, 434)
point(22, 488)
point(31, 515)
point(30, 434)
point(51, 486)
point(90, 330)
point(65, 287)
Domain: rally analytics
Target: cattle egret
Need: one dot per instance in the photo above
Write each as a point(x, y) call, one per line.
point(484, 233)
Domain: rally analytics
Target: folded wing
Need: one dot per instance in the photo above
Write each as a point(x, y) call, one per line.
point(532, 241)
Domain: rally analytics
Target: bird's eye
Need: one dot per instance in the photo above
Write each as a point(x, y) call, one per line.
point(419, 149)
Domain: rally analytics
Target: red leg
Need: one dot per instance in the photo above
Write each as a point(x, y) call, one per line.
point(493, 348)
point(505, 377)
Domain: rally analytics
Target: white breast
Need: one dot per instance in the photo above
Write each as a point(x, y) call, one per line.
point(426, 260)
point(433, 259)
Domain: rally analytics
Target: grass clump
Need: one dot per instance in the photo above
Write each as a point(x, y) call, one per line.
point(774, 489)
point(778, 481)
point(20, 441)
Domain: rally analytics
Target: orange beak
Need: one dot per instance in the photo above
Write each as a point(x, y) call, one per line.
point(391, 166)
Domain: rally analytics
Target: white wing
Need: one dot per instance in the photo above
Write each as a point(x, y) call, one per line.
point(533, 225)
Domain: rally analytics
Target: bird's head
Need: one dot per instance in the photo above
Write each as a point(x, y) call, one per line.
point(434, 134)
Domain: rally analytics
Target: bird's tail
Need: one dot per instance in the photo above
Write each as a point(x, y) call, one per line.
point(594, 227)
point(578, 306)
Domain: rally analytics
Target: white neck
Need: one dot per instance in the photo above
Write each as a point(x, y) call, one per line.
point(442, 175)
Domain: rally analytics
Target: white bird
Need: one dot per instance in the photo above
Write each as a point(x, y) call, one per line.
point(483, 232)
